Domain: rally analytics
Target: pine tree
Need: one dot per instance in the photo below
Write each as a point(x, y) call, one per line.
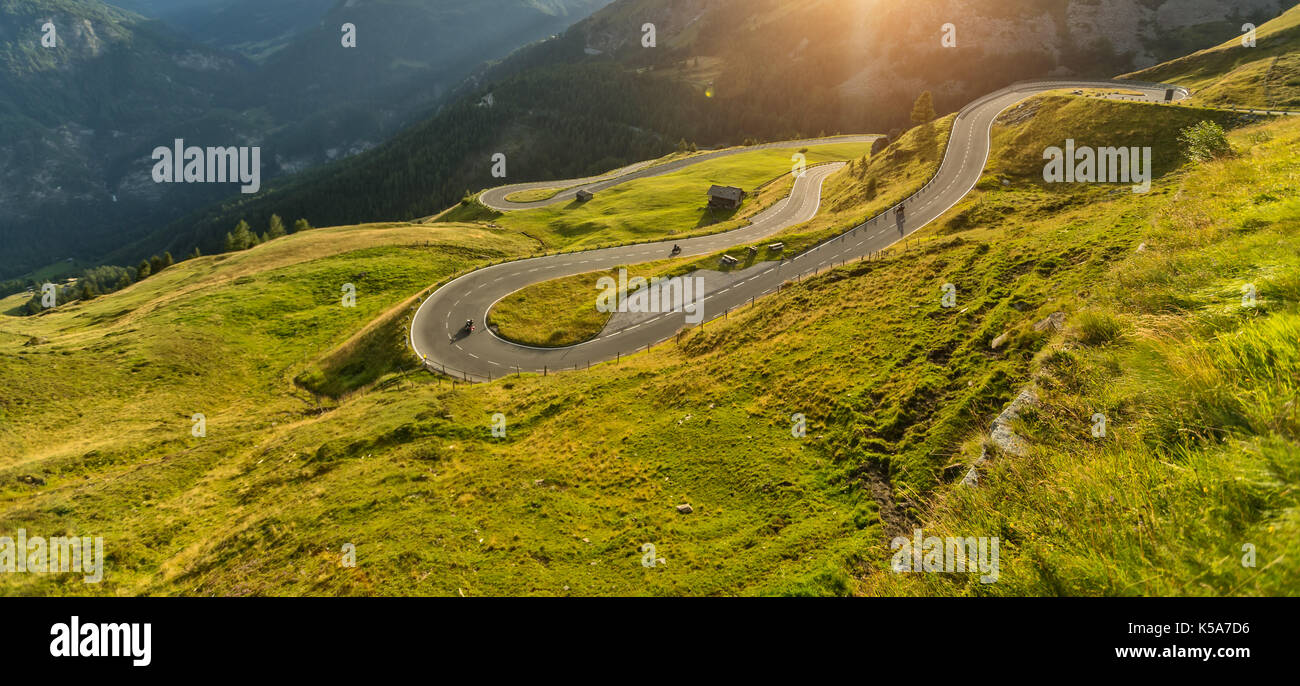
point(277, 227)
point(241, 239)
point(155, 264)
point(301, 225)
point(142, 270)
point(197, 253)
point(923, 110)
point(167, 260)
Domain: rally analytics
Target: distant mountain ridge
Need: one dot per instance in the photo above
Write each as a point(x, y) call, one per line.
point(721, 72)
point(77, 121)
point(254, 28)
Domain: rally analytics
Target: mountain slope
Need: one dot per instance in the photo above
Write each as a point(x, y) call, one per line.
point(426, 168)
point(251, 27)
point(77, 122)
point(405, 467)
point(80, 120)
point(1266, 75)
point(594, 98)
point(317, 435)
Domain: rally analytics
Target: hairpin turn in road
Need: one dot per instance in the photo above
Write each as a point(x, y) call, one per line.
point(437, 329)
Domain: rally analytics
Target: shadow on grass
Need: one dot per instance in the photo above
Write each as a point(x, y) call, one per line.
point(713, 215)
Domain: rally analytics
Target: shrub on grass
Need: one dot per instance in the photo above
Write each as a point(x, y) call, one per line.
point(1097, 328)
point(1204, 142)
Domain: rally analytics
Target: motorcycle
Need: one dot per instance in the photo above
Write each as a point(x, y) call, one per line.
point(469, 327)
point(676, 249)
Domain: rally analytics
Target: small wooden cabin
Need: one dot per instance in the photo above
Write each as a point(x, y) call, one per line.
point(725, 197)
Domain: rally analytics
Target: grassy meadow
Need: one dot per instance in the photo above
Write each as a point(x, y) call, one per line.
point(318, 438)
point(563, 311)
point(1266, 75)
point(672, 205)
point(1198, 467)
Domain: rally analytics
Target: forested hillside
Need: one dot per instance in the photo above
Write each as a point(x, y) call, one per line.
point(720, 72)
point(80, 117)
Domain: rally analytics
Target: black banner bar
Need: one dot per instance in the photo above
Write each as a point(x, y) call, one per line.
point(342, 636)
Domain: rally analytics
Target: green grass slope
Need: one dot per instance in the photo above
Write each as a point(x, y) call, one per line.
point(563, 311)
point(1231, 74)
point(1199, 464)
point(669, 205)
point(220, 335)
point(894, 387)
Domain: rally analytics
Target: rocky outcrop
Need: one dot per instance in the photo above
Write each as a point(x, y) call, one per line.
point(1128, 29)
point(1054, 321)
point(619, 27)
point(1001, 437)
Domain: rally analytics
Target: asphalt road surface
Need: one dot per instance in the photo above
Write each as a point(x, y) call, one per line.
point(495, 198)
point(436, 329)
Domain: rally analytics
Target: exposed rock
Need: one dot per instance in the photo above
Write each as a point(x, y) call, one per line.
point(1054, 321)
point(685, 509)
point(1002, 436)
point(997, 342)
point(1142, 247)
point(1005, 439)
point(972, 478)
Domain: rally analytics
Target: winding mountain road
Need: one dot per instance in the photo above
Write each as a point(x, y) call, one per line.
point(497, 198)
point(436, 334)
